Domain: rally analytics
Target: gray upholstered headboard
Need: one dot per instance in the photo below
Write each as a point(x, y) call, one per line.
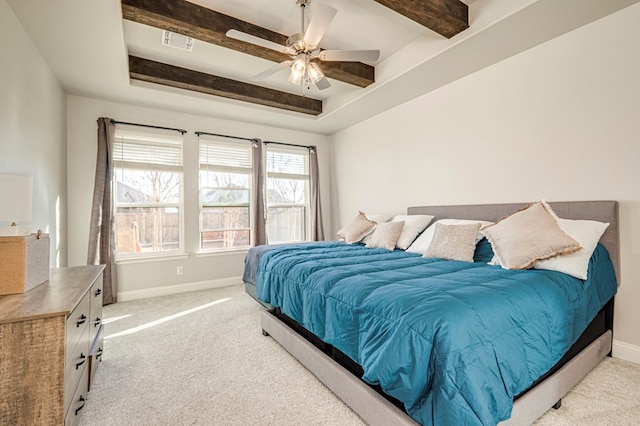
point(602, 211)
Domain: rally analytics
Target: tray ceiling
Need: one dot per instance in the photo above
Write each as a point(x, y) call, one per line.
point(101, 49)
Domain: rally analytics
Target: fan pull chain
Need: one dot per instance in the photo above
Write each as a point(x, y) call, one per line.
point(302, 8)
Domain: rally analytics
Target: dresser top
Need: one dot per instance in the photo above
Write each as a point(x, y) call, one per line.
point(58, 296)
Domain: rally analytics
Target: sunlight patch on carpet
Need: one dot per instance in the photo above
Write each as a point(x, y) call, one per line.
point(114, 319)
point(165, 319)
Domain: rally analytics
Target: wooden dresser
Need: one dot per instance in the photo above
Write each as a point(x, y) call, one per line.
point(50, 345)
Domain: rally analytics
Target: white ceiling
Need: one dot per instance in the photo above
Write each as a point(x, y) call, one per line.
point(86, 43)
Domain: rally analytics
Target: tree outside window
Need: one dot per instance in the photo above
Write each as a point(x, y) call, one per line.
point(287, 194)
point(148, 193)
point(225, 191)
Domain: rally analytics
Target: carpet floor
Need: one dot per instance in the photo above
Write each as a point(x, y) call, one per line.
point(200, 359)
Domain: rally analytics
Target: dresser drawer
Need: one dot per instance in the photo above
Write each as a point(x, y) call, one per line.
point(78, 400)
point(95, 294)
point(95, 356)
point(75, 366)
point(78, 322)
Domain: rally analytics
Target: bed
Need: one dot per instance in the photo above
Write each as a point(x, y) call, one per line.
point(436, 380)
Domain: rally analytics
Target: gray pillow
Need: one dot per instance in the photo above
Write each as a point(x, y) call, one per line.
point(453, 242)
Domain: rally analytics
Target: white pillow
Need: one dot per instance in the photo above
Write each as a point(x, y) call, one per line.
point(587, 233)
point(385, 235)
point(413, 225)
point(378, 218)
point(422, 243)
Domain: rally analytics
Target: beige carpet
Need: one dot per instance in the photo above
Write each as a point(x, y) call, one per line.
point(200, 359)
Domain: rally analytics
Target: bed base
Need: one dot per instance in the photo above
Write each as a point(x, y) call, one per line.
point(376, 409)
point(372, 407)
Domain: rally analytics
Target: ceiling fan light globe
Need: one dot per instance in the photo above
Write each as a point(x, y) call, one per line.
point(299, 66)
point(295, 78)
point(315, 73)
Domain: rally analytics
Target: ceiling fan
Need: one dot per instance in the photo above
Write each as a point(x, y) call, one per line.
point(303, 49)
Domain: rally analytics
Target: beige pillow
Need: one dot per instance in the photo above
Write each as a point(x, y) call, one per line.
point(529, 235)
point(377, 218)
point(385, 235)
point(453, 242)
point(357, 229)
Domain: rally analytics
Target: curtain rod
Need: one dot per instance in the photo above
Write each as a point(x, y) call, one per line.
point(287, 144)
point(225, 136)
point(149, 126)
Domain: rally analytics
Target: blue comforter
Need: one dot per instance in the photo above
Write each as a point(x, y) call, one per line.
point(454, 341)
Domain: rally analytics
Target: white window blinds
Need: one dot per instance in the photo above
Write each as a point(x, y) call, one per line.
point(225, 156)
point(137, 150)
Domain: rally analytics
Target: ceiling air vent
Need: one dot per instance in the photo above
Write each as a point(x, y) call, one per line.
point(177, 40)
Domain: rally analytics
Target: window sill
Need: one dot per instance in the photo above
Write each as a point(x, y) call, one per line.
point(221, 252)
point(152, 258)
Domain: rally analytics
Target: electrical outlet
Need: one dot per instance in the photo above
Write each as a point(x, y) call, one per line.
point(179, 270)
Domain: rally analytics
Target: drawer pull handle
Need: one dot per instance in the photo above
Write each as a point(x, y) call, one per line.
point(98, 292)
point(82, 320)
point(82, 406)
point(97, 322)
point(99, 354)
point(83, 358)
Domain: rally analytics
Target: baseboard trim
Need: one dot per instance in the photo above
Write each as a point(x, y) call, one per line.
point(626, 351)
point(146, 293)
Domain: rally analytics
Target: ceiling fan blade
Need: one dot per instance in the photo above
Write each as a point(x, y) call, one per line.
point(270, 71)
point(248, 38)
point(349, 55)
point(322, 17)
point(323, 83)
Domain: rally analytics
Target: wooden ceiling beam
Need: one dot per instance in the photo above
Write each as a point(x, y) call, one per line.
point(446, 17)
point(204, 24)
point(156, 72)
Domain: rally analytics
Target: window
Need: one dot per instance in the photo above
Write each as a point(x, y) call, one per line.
point(225, 185)
point(148, 193)
point(287, 196)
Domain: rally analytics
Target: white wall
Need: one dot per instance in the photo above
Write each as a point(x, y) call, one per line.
point(159, 277)
point(32, 129)
point(560, 121)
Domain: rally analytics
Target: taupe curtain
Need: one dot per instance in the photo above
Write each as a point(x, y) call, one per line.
point(317, 231)
point(102, 244)
point(257, 216)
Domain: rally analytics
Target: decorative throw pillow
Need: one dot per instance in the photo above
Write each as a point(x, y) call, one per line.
point(357, 229)
point(421, 244)
point(529, 235)
point(377, 218)
point(385, 235)
point(453, 242)
point(413, 225)
point(587, 233)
